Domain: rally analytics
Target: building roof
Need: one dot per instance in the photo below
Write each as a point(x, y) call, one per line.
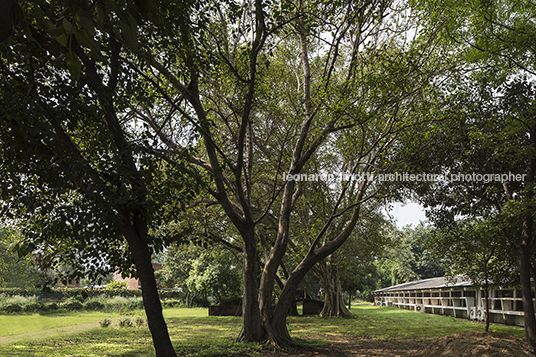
point(432, 283)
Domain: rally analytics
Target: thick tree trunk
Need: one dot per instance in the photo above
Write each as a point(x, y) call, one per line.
point(151, 301)
point(526, 292)
point(8, 18)
point(333, 301)
point(525, 248)
point(251, 314)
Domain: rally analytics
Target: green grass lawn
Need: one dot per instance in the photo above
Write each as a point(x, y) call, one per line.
point(196, 334)
point(19, 324)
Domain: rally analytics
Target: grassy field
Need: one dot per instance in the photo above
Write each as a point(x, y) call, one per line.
point(195, 333)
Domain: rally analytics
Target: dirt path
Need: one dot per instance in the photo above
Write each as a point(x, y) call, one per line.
point(35, 335)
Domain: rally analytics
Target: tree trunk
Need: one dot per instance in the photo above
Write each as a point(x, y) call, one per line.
point(8, 18)
point(151, 301)
point(486, 296)
point(251, 314)
point(526, 292)
point(333, 301)
point(525, 247)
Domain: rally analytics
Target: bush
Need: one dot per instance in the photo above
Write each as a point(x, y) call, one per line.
point(135, 304)
point(71, 305)
point(105, 322)
point(171, 303)
point(94, 305)
point(34, 307)
point(61, 293)
point(117, 285)
point(12, 308)
point(125, 322)
point(79, 298)
point(51, 306)
point(140, 321)
point(123, 304)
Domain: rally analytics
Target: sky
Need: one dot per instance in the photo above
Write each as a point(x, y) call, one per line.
point(410, 213)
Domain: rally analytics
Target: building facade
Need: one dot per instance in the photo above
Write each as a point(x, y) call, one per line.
point(458, 298)
point(134, 283)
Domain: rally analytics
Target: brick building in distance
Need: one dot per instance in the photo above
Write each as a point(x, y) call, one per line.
point(134, 283)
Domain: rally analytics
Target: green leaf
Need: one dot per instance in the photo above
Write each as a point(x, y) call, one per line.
point(129, 33)
point(74, 65)
point(61, 39)
point(67, 25)
point(85, 40)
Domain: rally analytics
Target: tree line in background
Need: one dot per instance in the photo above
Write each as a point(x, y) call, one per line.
point(133, 128)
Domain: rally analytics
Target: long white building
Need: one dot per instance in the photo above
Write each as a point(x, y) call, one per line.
point(459, 299)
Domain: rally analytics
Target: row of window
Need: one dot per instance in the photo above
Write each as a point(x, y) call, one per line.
point(466, 293)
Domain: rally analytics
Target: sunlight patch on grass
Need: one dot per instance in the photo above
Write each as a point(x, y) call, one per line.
point(18, 324)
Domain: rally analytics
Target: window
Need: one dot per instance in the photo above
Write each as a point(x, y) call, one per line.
point(504, 293)
point(497, 305)
point(519, 305)
point(469, 293)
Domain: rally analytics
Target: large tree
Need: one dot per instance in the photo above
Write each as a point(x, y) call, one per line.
point(475, 249)
point(485, 150)
point(348, 268)
point(260, 89)
point(15, 271)
point(498, 38)
point(73, 173)
point(296, 89)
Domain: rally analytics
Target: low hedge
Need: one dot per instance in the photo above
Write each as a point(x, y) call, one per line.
point(65, 293)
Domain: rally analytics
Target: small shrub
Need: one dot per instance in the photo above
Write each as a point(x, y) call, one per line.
point(78, 298)
point(94, 305)
point(12, 308)
point(135, 304)
point(125, 322)
point(117, 285)
point(140, 321)
point(72, 305)
point(105, 322)
point(51, 306)
point(34, 307)
point(123, 305)
point(170, 303)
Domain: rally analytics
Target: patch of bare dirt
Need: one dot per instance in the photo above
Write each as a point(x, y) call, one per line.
point(466, 344)
point(481, 344)
point(357, 348)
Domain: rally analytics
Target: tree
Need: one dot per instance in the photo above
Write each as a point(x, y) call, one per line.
point(277, 95)
point(213, 271)
point(485, 149)
point(475, 249)
point(15, 271)
point(241, 94)
point(498, 36)
point(347, 269)
point(73, 173)
point(408, 257)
